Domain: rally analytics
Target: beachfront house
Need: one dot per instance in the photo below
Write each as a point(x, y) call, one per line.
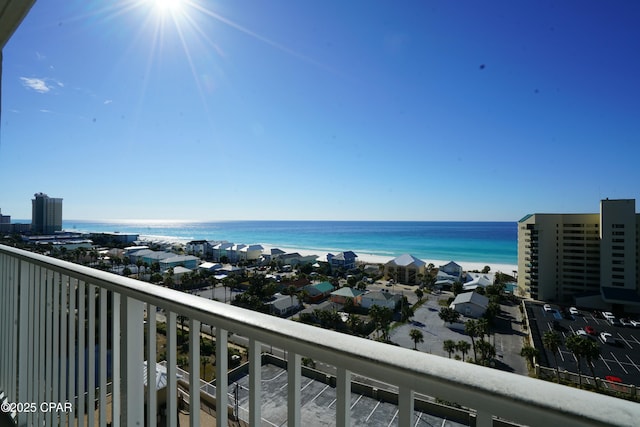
point(271, 255)
point(283, 305)
point(344, 260)
point(470, 304)
point(405, 269)
point(211, 267)
point(178, 272)
point(219, 251)
point(187, 261)
point(318, 291)
point(475, 280)
point(251, 253)
point(381, 299)
point(341, 295)
point(451, 269)
point(295, 258)
point(197, 247)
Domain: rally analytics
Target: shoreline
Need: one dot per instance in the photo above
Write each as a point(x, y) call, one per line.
point(362, 257)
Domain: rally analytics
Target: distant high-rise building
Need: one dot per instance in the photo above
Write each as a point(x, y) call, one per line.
point(46, 217)
point(588, 259)
point(5, 219)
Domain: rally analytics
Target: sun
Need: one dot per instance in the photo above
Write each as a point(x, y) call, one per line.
point(167, 7)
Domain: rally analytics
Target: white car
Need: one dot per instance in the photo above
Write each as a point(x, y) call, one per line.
point(607, 337)
point(574, 311)
point(635, 323)
point(608, 315)
point(547, 307)
point(582, 333)
point(625, 322)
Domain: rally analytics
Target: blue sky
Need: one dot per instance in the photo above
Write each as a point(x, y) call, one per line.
point(357, 110)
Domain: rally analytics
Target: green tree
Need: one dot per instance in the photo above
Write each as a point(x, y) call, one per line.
point(551, 341)
point(417, 337)
point(529, 353)
point(487, 351)
point(419, 293)
point(463, 347)
point(471, 329)
point(449, 346)
point(449, 315)
point(457, 288)
point(591, 352)
point(381, 317)
point(486, 269)
point(575, 344)
point(406, 311)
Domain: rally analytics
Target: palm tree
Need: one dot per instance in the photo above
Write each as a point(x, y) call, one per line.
point(471, 329)
point(417, 337)
point(204, 360)
point(449, 315)
point(575, 345)
point(419, 293)
point(463, 347)
point(551, 341)
point(529, 353)
point(483, 328)
point(381, 317)
point(449, 346)
point(591, 352)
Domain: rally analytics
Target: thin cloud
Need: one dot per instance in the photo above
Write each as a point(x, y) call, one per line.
point(107, 101)
point(39, 85)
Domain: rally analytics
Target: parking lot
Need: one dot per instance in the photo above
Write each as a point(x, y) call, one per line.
point(506, 334)
point(319, 404)
point(622, 360)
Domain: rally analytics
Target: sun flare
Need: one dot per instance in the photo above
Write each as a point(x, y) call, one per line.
point(167, 6)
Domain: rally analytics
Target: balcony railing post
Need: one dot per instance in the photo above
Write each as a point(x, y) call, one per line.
point(194, 373)
point(115, 360)
point(23, 340)
point(152, 393)
point(102, 379)
point(63, 394)
point(172, 382)
point(91, 361)
point(222, 388)
point(343, 397)
point(405, 407)
point(255, 383)
point(132, 360)
point(293, 388)
point(72, 349)
point(80, 410)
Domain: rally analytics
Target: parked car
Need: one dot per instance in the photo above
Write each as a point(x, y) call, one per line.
point(614, 321)
point(625, 322)
point(590, 330)
point(608, 338)
point(574, 311)
point(635, 323)
point(607, 315)
point(547, 307)
point(582, 333)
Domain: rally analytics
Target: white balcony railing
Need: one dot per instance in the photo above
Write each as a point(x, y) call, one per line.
point(46, 303)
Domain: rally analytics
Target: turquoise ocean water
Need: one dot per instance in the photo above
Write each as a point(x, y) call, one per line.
point(487, 242)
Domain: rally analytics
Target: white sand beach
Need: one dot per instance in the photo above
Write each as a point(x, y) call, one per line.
point(378, 259)
point(362, 257)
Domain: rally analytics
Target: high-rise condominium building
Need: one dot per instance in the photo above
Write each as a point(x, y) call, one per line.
point(586, 259)
point(46, 214)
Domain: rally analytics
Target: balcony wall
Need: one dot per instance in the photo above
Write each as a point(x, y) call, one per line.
point(44, 302)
